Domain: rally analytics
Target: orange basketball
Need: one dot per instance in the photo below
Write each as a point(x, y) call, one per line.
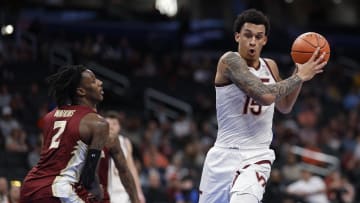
point(305, 44)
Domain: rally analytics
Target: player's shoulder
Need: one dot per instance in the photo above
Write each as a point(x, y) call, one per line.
point(229, 54)
point(270, 62)
point(95, 120)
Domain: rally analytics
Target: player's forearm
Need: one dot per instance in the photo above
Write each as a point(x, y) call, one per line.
point(239, 74)
point(127, 180)
point(135, 175)
point(126, 177)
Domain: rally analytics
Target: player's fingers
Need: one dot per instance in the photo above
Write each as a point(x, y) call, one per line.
point(315, 54)
point(320, 58)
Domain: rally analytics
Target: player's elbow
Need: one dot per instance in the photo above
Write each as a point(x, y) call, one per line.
point(285, 110)
point(266, 99)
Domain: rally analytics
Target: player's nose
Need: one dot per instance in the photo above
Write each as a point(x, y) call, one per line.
point(100, 82)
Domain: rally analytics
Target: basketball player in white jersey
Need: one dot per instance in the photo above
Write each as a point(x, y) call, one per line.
point(248, 88)
point(115, 188)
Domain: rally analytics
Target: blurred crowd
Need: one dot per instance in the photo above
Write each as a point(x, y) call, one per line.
point(169, 153)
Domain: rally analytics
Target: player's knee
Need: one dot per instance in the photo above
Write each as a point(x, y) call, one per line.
point(237, 197)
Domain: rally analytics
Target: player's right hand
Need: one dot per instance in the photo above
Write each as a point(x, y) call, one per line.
point(312, 67)
point(96, 194)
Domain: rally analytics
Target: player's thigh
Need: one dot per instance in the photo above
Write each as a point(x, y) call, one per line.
point(245, 197)
point(218, 172)
point(251, 180)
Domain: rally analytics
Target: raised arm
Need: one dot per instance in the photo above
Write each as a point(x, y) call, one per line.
point(236, 70)
point(126, 177)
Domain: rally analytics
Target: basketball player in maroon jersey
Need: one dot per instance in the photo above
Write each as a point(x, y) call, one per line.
point(74, 135)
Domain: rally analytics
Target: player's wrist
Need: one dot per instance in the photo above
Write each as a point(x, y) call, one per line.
point(299, 77)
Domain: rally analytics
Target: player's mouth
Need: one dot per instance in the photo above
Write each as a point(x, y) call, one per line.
point(252, 52)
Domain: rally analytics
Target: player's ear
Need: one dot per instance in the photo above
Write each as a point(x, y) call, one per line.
point(237, 36)
point(80, 91)
point(265, 40)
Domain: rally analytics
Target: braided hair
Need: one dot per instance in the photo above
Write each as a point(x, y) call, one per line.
point(63, 84)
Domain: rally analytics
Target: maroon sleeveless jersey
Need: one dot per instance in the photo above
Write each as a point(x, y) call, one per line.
point(62, 156)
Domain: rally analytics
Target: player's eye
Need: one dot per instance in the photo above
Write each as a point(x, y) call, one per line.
point(248, 35)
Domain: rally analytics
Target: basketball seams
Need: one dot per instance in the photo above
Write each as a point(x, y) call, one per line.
point(310, 43)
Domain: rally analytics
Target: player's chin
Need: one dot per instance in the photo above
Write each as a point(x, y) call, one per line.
point(101, 97)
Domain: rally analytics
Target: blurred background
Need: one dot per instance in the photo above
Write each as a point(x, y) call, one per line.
point(157, 59)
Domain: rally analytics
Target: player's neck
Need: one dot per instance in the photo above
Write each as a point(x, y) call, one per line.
point(253, 63)
point(86, 103)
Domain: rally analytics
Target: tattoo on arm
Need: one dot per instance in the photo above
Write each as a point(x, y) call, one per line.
point(239, 74)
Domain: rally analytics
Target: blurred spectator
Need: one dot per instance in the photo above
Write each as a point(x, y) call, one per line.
point(5, 96)
point(310, 187)
point(16, 142)
point(2, 141)
point(339, 188)
point(154, 159)
point(351, 99)
point(203, 73)
point(274, 192)
point(182, 126)
point(14, 193)
point(291, 170)
point(34, 154)
point(4, 190)
point(155, 192)
point(8, 122)
point(188, 192)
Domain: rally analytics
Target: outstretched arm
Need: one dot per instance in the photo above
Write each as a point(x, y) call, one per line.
point(126, 177)
point(237, 71)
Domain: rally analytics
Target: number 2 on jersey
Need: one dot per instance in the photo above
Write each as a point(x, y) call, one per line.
point(55, 140)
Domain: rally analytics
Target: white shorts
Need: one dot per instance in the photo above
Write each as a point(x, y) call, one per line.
point(220, 169)
point(119, 197)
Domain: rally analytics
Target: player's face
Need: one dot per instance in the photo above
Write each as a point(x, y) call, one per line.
point(92, 86)
point(251, 40)
point(114, 126)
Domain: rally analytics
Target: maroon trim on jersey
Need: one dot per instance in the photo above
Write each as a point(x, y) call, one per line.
point(264, 80)
point(223, 84)
point(268, 67)
point(259, 162)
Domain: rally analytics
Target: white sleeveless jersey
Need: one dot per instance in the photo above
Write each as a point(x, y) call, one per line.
point(241, 121)
point(115, 187)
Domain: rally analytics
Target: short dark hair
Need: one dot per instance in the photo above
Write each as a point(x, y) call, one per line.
point(252, 16)
point(63, 84)
point(112, 114)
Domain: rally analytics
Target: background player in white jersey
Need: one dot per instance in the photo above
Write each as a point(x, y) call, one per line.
point(248, 88)
point(116, 189)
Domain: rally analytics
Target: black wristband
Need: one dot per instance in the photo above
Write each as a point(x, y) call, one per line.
point(89, 171)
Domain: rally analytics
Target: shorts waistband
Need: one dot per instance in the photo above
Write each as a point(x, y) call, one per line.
point(240, 147)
